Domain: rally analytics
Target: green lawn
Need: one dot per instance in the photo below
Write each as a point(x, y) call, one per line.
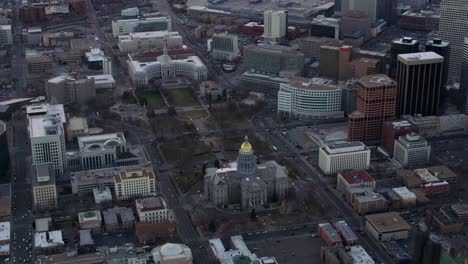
point(153, 99)
point(187, 180)
point(195, 114)
point(186, 152)
point(180, 97)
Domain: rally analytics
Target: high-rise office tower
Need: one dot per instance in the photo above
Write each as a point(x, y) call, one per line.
point(275, 24)
point(48, 141)
point(443, 49)
point(376, 103)
point(419, 78)
point(369, 7)
point(453, 27)
point(464, 78)
point(403, 45)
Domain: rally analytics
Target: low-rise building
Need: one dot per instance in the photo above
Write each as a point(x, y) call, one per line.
point(171, 253)
point(153, 210)
point(445, 220)
point(335, 158)
point(5, 200)
point(43, 186)
point(209, 89)
point(428, 126)
point(412, 150)
point(126, 26)
point(127, 217)
point(76, 127)
point(360, 255)
point(135, 182)
point(6, 38)
point(50, 242)
point(354, 179)
point(461, 210)
point(111, 223)
point(329, 234)
point(152, 40)
point(86, 244)
point(102, 195)
point(345, 232)
point(387, 226)
point(436, 188)
point(5, 232)
point(316, 98)
point(370, 202)
point(407, 198)
point(443, 173)
point(43, 224)
point(90, 220)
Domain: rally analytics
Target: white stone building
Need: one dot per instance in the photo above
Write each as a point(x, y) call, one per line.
point(336, 158)
point(166, 68)
point(133, 182)
point(153, 40)
point(275, 24)
point(126, 26)
point(171, 253)
point(316, 98)
point(412, 150)
point(153, 210)
point(246, 184)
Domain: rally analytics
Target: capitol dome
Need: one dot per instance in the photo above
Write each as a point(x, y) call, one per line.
point(246, 147)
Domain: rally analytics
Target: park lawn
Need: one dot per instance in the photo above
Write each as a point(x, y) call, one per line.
point(189, 115)
point(180, 97)
point(187, 180)
point(186, 152)
point(154, 99)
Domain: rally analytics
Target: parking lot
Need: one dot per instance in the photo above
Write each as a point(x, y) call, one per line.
point(300, 249)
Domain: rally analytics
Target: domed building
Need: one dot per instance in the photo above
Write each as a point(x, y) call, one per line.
point(246, 183)
point(171, 253)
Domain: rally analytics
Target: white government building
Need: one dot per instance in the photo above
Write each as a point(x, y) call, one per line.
point(126, 26)
point(245, 183)
point(316, 98)
point(166, 68)
point(336, 158)
point(153, 40)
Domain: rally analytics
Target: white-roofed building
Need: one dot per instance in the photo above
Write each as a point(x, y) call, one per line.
point(48, 242)
point(126, 26)
point(102, 195)
point(359, 254)
point(407, 198)
point(152, 40)
point(166, 68)
point(47, 137)
point(171, 253)
point(5, 238)
point(239, 253)
point(103, 81)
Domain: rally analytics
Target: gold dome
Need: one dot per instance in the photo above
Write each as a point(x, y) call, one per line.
point(246, 147)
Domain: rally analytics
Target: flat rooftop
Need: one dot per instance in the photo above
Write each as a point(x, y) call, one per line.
point(353, 177)
point(43, 126)
point(460, 209)
point(94, 142)
point(376, 80)
point(42, 174)
point(151, 203)
point(387, 222)
point(347, 147)
point(319, 84)
point(151, 34)
point(420, 58)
